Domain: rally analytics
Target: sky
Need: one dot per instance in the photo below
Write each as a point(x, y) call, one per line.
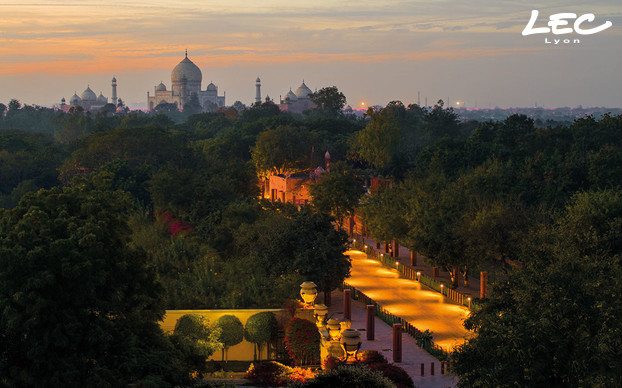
point(471, 52)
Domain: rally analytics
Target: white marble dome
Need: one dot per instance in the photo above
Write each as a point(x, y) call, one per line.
point(291, 96)
point(161, 87)
point(303, 91)
point(186, 69)
point(88, 95)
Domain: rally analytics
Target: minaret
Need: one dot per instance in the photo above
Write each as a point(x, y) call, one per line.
point(114, 91)
point(258, 89)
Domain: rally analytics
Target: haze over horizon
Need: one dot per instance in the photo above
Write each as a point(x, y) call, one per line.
point(373, 51)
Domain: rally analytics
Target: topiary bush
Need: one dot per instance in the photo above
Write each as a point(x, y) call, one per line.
point(276, 374)
point(231, 332)
point(260, 329)
point(393, 372)
point(302, 341)
point(197, 340)
point(371, 357)
point(347, 376)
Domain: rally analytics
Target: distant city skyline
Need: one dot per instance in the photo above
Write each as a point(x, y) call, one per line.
point(373, 51)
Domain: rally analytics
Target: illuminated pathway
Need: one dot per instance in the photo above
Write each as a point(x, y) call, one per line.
point(409, 300)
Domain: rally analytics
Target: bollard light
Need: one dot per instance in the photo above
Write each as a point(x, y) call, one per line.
point(365, 246)
point(442, 285)
point(469, 299)
point(418, 275)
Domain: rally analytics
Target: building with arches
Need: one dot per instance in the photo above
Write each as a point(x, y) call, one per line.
point(186, 80)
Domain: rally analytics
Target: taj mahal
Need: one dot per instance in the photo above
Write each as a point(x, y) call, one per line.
point(186, 80)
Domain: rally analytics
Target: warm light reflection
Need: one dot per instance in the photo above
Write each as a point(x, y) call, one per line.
point(410, 300)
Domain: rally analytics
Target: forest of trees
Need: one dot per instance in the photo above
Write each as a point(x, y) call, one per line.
point(146, 212)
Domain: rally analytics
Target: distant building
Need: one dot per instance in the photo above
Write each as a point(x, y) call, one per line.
point(186, 79)
point(297, 102)
point(89, 101)
point(294, 188)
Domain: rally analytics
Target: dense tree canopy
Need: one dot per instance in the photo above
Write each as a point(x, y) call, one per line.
point(79, 306)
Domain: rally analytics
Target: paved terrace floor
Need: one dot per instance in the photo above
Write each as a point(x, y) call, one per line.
point(412, 355)
point(410, 300)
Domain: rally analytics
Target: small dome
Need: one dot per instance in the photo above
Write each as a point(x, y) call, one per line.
point(186, 69)
point(101, 98)
point(114, 79)
point(211, 87)
point(88, 95)
point(161, 87)
point(303, 91)
point(327, 155)
point(258, 80)
point(74, 100)
point(291, 96)
point(62, 100)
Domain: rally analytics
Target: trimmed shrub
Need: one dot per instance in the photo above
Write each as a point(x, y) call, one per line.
point(276, 374)
point(261, 328)
point(302, 341)
point(371, 357)
point(347, 376)
point(232, 332)
point(393, 372)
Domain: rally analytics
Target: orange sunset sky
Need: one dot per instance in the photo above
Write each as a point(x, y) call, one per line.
point(374, 51)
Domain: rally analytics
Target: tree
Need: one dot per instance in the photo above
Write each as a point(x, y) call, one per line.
point(337, 193)
point(231, 332)
point(165, 107)
point(78, 305)
point(282, 149)
point(261, 328)
point(198, 337)
point(329, 100)
point(192, 105)
point(553, 325)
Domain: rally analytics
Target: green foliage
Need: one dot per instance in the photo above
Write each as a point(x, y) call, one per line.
point(198, 330)
point(337, 193)
point(273, 374)
point(261, 328)
point(347, 376)
point(231, 332)
point(79, 306)
point(329, 100)
point(302, 340)
point(282, 149)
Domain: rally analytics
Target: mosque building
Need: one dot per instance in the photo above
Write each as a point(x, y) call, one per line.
point(186, 79)
point(89, 101)
point(294, 102)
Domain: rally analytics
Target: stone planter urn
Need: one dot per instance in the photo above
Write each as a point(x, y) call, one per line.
point(350, 342)
point(308, 292)
point(334, 329)
point(320, 312)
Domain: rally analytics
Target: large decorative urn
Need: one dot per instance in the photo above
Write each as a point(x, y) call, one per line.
point(334, 329)
point(308, 292)
point(350, 342)
point(319, 312)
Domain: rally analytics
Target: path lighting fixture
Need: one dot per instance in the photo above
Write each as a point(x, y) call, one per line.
point(350, 343)
point(442, 285)
point(418, 275)
point(308, 292)
point(365, 246)
point(397, 263)
point(469, 299)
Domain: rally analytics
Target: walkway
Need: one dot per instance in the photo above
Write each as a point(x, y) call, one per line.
point(412, 355)
point(409, 300)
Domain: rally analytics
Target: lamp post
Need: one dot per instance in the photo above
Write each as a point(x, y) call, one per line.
point(469, 299)
point(442, 286)
point(418, 276)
